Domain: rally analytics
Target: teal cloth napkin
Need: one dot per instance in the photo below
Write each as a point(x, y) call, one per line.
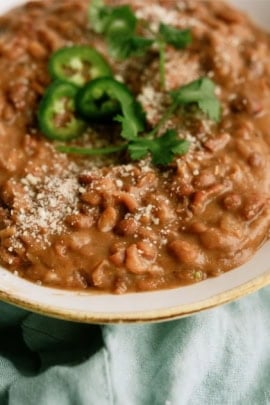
point(221, 356)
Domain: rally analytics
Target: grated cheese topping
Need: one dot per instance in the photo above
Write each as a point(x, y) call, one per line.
point(47, 202)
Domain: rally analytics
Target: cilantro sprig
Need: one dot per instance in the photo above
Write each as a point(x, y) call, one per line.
point(106, 18)
point(119, 26)
point(202, 93)
point(132, 121)
point(164, 147)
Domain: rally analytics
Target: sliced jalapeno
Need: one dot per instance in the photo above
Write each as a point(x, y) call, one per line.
point(56, 114)
point(102, 99)
point(78, 65)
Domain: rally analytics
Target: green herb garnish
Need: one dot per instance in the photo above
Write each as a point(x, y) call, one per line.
point(162, 149)
point(104, 99)
point(165, 147)
point(179, 39)
point(111, 20)
point(119, 26)
point(124, 48)
point(202, 93)
point(132, 121)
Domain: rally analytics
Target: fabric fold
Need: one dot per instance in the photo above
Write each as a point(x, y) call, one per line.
point(221, 356)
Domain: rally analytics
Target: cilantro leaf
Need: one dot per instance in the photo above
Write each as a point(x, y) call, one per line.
point(118, 24)
point(111, 21)
point(138, 149)
point(132, 121)
point(201, 92)
point(99, 15)
point(129, 127)
point(122, 22)
point(162, 149)
point(179, 39)
point(211, 107)
point(123, 48)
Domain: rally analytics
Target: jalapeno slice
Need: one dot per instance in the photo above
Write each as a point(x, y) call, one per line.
point(78, 65)
point(102, 99)
point(56, 114)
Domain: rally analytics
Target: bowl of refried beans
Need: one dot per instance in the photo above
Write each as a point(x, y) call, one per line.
point(134, 161)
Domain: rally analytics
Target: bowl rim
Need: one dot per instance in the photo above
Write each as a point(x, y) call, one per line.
point(158, 315)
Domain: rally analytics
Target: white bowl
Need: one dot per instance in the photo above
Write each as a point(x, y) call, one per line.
point(147, 306)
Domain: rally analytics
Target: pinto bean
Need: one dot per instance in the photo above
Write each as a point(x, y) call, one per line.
point(78, 280)
point(100, 274)
point(218, 143)
point(186, 252)
point(33, 5)
point(197, 227)
point(231, 225)
point(60, 249)
point(86, 178)
point(127, 227)
point(10, 260)
point(232, 201)
point(147, 180)
point(107, 220)
point(229, 15)
point(118, 257)
point(215, 238)
point(27, 239)
point(14, 49)
point(78, 240)
point(184, 188)
point(151, 282)
point(244, 148)
point(148, 250)
point(256, 160)
point(203, 197)
point(253, 206)
point(164, 212)
point(121, 285)
point(146, 233)
point(37, 50)
point(30, 144)
point(204, 180)
point(7, 232)
point(8, 112)
point(12, 161)
point(135, 263)
point(52, 278)
point(2, 104)
point(79, 221)
point(244, 103)
point(91, 198)
point(17, 95)
point(4, 218)
point(10, 191)
point(128, 200)
point(116, 246)
point(107, 185)
point(244, 130)
point(49, 38)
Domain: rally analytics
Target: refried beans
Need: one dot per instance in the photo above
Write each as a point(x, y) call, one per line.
point(109, 223)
